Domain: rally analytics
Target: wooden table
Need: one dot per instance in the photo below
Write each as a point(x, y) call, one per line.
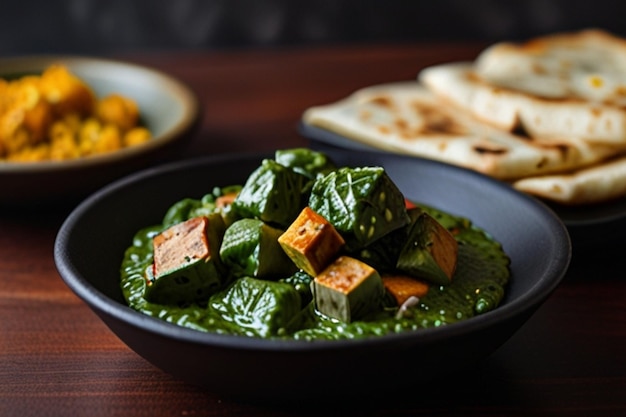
point(58, 359)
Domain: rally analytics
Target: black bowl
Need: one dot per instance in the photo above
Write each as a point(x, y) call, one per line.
point(91, 243)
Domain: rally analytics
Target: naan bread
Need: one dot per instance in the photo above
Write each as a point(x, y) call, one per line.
point(548, 116)
point(514, 110)
point(596, 184)
point(589, 65)
point(407, 118)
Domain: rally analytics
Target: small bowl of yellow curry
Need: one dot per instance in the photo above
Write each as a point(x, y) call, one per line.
point(69, 125)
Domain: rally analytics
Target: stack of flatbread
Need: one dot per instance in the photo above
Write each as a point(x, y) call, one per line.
point(548, 115)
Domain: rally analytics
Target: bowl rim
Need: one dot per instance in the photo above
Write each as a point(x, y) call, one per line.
point(98, 302)
point(586, 216)
point(183, 93)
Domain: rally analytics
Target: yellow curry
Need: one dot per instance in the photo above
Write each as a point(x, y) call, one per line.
point(56, 116)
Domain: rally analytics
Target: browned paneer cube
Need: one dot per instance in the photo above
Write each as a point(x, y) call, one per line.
point(186, 261)
point(225, 200)
point(180, 244)
point(348, 289)
point(311, 242)
point(401, 287)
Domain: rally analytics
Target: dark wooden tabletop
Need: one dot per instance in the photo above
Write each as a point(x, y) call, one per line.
point(58, 359)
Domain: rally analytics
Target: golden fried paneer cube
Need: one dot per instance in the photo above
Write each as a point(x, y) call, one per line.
point(348, 289)
point(311, 242)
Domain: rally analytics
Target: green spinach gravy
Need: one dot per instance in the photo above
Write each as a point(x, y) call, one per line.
point(244, 308)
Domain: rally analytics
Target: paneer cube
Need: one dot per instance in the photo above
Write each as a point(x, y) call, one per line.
point(311, 242)
point(348, 289)
point(186, 265)
point(401, 287)
point(430, 252)
point(225, 200)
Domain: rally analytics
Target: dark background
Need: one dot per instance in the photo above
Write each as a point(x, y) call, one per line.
point(102, 26)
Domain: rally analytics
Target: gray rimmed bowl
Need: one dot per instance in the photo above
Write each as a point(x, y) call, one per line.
point(168, 108)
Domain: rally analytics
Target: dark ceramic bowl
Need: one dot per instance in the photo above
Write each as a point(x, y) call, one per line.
point(91, 243)
point(168, 108)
